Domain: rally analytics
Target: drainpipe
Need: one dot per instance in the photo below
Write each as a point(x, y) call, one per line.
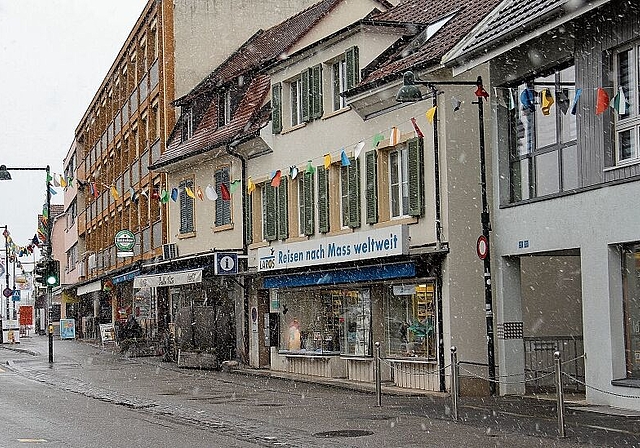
point(245, 291)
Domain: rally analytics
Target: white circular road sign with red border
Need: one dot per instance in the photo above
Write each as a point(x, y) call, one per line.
point(482, 247)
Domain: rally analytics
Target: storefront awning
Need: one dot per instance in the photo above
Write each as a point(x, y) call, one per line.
point(359, 274)
point(168, 279)
point(89, 287)
point(125, 277)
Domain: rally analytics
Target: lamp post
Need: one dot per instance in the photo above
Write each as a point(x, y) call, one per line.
point(410, 92)
point(6, 175)
point(6, 271)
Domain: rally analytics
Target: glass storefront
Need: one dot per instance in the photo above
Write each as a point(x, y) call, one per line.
point(410, 321)
point(326, 321)
point(631, 296)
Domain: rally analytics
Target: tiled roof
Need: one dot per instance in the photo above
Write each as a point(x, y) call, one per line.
point(466, 14)
point(517, 17)
point(265, 46)
point(246, 121)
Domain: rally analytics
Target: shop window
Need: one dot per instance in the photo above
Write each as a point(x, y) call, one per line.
point(631, 300)
point(410, 321)
point(543, 150)
point(223, 203)
point(627, 118)
point(333, 321)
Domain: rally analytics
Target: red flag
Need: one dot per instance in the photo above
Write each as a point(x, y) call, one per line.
point(416, 128)
point(275, 182)
point(224, 192)
point(602, 101)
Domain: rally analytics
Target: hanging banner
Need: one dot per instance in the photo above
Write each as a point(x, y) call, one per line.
point(168, 279)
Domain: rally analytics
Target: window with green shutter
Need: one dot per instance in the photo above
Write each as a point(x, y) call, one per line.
point(276, 108)
point(222, 206)
point(304, 96)
point(186, 207)
point(350, 192)
point(269, 213)
point(371, 185)
point(248, 219)
point(283, 209)
point(353, 67)
point(315, 92)
point(306, 204)
point(323, 199)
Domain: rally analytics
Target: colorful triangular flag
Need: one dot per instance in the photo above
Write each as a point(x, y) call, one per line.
point(275, 179)
point(199, 193)
point(562, 99)
point(376, 140)
point(358, 149)
point(527, 99)
point(233, 186)
point(52, 190)
point(574, 104)
point(293, 172)
point(164, 196)
point(224, 192)
point(310, 168)
point(174, 194)
point(419, 133)
point(63, 181)
point(327, 161)
point(56, 182)
point(344, 159)
point(114, 193)
point(394, 137)
point(211, 193)
point(602, 100)
point(431, 113)
point(251, 187)
point(619, 102)
point(189, 192)
point(546, 101)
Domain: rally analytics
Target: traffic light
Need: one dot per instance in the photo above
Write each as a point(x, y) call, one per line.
point(52, 277)
point(40, 272)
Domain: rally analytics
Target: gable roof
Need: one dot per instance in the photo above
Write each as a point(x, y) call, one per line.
point(264, 46)
point(513, 20)
point(462, 15)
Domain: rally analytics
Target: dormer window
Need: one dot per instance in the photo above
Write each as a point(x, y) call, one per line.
point(187, 124)
point(225, 107)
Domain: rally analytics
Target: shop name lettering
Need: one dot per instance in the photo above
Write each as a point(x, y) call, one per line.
point(331, 250)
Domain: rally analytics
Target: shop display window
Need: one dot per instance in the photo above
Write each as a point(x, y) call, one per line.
point(331, 321)
point(631, 296)
point(410, 321)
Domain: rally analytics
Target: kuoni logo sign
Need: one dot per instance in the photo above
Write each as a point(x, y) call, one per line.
point(125, 240)
point(383, 242)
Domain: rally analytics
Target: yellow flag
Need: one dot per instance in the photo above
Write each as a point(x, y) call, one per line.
point(63, 182)
point(327, 161)
point(394, 138)
point(431, 113)
point(114, 193)
point(547, 102)
point(250, 186)
point(189, 192)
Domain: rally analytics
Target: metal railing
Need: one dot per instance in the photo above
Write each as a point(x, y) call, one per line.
point(539, 361)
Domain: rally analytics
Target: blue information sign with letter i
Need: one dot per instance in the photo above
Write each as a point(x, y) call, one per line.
point(16, 295)
point(226, 263)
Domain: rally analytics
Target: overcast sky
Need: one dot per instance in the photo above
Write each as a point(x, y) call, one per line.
point(54, 55)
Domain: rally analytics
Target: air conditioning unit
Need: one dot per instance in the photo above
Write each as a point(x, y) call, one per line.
point(169, 251)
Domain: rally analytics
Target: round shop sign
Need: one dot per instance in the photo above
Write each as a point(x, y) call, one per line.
point(125, 240)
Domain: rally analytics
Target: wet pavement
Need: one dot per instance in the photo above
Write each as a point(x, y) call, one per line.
point(266, 409)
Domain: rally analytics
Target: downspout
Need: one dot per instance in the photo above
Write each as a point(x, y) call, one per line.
point(245, 291)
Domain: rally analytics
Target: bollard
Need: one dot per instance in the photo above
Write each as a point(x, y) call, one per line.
point(50, 328)
point(559, 394)
point(378, 377)
point(454, 382)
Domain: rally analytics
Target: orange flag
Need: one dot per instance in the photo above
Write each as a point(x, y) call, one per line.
point(602, 101)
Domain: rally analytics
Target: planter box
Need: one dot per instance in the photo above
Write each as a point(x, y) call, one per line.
point(196, 360)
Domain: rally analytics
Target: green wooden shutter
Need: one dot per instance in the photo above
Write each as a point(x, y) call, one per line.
point(271, 218)
point(371, 179)
point(186, 208)
point(283, 210)
point(305, 94)
point(248, 221)
point(309, 205)
point(316, 91)
point(353, 67)
point(276, 108)
point(323, 199)
point(354, 193)
point(416, 174)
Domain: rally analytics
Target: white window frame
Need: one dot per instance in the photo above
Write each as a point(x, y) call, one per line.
point(295, 94)
point(630, 122)
point(339, 79)
point(401, 196)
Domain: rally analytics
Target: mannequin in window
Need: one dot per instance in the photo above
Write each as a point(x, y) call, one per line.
point(294, 335)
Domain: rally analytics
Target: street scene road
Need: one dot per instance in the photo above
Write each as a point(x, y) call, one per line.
point(93, 396)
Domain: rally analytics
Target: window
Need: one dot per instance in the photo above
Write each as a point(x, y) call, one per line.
point(627, 119)
point(350, 194)
point(72, 258)
point(339, 71)
point(331, 321)
point(296, 101)
point(542, 139)
point(223, 206)
point(275, 211)
point(631, 300)
point(410, 321)
point(399, 182)
point(187, 124)
point(306, 206)
point(186, 208)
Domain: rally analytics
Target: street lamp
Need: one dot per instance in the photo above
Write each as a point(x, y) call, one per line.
point(410, 92)
point(6, 175)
